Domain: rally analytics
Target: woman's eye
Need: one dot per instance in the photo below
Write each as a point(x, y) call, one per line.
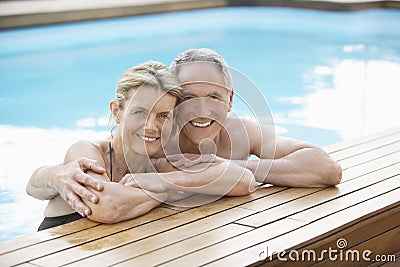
point(138, 113)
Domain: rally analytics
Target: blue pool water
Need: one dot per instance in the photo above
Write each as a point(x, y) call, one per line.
point(327, 76)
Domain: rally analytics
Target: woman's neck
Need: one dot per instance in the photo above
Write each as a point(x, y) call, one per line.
point(123, 163)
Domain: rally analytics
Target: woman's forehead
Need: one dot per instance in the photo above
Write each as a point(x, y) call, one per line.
point(151, 98)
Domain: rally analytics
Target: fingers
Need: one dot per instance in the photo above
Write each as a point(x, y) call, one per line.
point(125, 179)
point(89, 164)
point(85, 193)
point(76, 203)
point(128, 178)
point(88, 180)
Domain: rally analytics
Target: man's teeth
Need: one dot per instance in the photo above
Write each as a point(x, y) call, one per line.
point(197, 124)
point(150, 139)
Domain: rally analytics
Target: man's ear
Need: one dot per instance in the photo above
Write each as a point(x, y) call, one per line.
point(115, 111)
point(230, 100)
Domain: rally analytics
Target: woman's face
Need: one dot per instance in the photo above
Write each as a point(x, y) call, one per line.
point(147, 120)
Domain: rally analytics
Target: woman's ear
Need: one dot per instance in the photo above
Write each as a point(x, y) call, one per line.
point(115, 111)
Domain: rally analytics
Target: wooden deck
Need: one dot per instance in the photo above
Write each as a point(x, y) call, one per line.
point(364, 210)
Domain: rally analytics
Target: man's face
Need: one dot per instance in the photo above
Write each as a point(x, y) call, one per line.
point(206, 101)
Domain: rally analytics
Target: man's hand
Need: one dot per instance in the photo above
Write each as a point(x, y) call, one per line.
point(72, 181)
point(188, 160)
point(148, 181)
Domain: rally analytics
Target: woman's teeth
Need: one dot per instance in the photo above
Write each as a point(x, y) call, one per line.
point(149, 139)
point(201, 125)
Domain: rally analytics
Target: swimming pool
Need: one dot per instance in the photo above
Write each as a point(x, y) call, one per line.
point(327, 76)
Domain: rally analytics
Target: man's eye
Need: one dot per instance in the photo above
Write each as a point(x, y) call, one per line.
point(164, 116)
point(188, 97)
point(216, 97)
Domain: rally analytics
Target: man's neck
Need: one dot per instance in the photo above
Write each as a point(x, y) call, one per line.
point(208, 146)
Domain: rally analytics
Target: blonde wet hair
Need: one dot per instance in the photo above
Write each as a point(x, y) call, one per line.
point(152, 73)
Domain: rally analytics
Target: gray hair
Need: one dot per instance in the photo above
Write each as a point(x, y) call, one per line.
point(152, 73)
point(202, 55)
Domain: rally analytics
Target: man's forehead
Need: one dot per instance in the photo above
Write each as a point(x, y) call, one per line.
point(188, 87)
point(200, 71)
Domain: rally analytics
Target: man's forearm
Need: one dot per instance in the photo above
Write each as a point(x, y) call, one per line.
point(308, 167)
point(225, 178)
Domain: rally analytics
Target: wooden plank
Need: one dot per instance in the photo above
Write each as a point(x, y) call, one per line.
point(385, 245)
point(47, 235)
point(369, 155)
point(349, 175)
point(372, 180)
point(135, 242)
point(300, 237)
point(164, 238)
point(348, 200)
point(353, 235)
point(365, 147)
point(361, 140)
point(47, 247)
point(216, 251)
point(279, 198)
point(86, 236)
point(394, 263)
point(370, 166)
point(187, 246)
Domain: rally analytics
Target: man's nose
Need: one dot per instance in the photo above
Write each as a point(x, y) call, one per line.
point(203, 107)
point(150, 124)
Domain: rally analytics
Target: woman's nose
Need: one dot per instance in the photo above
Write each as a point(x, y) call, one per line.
point(150, 124)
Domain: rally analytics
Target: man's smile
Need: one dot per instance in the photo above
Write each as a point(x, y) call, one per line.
point(201, 124)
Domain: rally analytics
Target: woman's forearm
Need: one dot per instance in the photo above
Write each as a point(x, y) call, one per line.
point(119, 203)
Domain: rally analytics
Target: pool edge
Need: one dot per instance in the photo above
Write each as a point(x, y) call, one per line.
point(17, 14)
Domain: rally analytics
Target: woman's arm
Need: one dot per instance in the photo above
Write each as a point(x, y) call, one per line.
point(119, 203)
point(116, 201)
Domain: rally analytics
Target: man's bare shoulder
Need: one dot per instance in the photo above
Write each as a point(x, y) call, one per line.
point(247, 124)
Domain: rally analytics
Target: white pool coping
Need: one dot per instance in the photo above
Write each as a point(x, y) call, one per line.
point(24, 13)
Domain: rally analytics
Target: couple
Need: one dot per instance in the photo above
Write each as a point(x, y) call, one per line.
point(158, 117)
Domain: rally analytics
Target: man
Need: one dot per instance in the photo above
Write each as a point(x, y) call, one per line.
point(205, 128)
point(205, 76)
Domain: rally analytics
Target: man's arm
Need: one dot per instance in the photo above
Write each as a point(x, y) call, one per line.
point(295, 163)
point(68, 180)
point(226, 178)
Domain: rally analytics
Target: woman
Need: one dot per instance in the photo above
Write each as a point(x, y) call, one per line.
point(146, 96)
